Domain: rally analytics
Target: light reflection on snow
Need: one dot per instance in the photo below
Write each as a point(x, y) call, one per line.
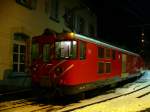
point(128, 103)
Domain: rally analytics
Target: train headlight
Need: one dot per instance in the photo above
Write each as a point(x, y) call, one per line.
point(58, 70)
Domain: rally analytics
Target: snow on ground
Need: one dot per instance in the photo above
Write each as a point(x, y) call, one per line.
point(146, 75)
point(128, 103)
point(140, 83)
point(122, 104)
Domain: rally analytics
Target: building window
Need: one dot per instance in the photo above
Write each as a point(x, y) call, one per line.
point(19, 57)
point(100, 67)
point(54, 9)
point(69, 18)
point(80, 23)
point(46, 52)
point(82, 50)
point(31, 4)
point(47, 6)
point(108, 67)
point(107, 53)
point(113, 54)
point(101, 52)
point(91, 30)
point(21, 50)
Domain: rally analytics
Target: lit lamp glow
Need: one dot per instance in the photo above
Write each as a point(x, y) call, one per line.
point(71, 34)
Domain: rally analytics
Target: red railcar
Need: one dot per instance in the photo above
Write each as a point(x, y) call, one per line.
point(75, 63)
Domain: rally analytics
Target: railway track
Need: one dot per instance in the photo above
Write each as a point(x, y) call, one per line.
point(111, 96)
point(34, 104)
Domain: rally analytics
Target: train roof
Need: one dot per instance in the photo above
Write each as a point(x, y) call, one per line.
point(85, 38)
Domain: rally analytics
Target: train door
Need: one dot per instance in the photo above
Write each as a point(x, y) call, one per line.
point(124, 60)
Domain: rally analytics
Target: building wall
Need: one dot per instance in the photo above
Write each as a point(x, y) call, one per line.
point(15, 18)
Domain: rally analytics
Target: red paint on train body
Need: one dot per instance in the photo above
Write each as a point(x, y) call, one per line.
point(77, 63)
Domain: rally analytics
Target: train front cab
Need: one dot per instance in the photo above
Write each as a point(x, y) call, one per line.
point(59, 62)
point(42, 55)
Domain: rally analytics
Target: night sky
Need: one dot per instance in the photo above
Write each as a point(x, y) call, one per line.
point(121, 22)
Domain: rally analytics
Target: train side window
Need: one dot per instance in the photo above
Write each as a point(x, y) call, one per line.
point(73, 49)
point(46, 52)
point(35, 50)
point(107, 53)
point(108, 67)
point(101, 52)
point(66, 49)
point(100, 67)
point(82, 50)
point(113, 54)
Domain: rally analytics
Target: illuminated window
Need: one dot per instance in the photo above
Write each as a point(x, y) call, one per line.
point(82, 50)
point(107, 53)
point(108, 67)
point(74, 49)
point(100, 67)
point(31, 4)
point(66, 49)
point(101, 52)
point(35, 51)
point(113, 54)
point(46, 52)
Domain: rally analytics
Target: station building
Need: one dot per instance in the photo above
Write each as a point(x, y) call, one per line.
point(20, 20)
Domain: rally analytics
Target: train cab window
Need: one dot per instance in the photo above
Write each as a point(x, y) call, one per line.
point(46, 52)
point(108, 67)
point(101, 52)
point(66, 49)
point(113, 54)
point(107, 53)
point(100, 67)
point(82, 50)
point(35, 50)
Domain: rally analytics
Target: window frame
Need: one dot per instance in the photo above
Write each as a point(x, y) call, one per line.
point(84, 54)
point(69, 18)
point(91, 29)
point(114, 54)
point(38, 49)
point(103, 68)
point(71, 48)
point(110, 69)
point(99, 53)
point(19, 53)
point(54, 10)
point(106, 53)
point(46, 55)
point(79, 24)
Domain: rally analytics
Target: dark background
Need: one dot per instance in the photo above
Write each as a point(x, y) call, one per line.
point(121, 23)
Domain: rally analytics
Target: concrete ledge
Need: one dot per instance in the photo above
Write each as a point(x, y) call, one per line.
point(17, 81)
